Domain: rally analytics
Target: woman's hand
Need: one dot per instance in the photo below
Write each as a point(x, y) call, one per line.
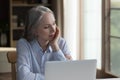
point(68, 56)
point(54, 41)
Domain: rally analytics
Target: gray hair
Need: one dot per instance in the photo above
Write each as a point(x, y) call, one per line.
point(33, 19)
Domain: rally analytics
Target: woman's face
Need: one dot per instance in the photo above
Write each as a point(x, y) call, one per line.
point(47, 27)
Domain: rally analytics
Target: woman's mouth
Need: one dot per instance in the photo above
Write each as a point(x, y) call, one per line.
point(52, 35)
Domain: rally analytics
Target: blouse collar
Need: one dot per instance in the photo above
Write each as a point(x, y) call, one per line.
point(37, 47)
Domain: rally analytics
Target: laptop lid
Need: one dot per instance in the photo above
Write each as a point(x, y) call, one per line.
point(71, 70)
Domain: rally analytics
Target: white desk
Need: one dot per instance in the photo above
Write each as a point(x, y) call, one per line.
point(110, 79)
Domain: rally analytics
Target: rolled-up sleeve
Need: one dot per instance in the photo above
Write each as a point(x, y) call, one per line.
point(58, 55)
point(64, 50)
point(64, 46)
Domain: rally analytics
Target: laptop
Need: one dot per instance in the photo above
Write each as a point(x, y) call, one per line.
point(71, 70)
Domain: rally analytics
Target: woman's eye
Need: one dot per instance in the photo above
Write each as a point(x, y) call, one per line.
point(46, 27)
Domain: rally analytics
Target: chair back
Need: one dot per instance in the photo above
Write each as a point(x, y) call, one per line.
point(11, 56)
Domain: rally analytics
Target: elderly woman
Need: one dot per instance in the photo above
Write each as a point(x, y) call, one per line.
point(41, 43)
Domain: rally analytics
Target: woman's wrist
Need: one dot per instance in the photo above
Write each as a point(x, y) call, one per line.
point(55, 47)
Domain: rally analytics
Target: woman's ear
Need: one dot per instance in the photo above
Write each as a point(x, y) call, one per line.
point(35, 33)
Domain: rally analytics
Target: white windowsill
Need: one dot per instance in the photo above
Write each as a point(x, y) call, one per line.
point(6, 49)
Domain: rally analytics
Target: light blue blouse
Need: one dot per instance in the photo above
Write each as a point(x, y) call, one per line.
point(31, 59)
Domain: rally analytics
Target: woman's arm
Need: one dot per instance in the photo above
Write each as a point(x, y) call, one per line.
point(61, 51)
point(24, 68)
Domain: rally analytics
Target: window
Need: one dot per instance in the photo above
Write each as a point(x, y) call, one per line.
point(97, 32)
point(114, 38)
point(85, 33)
point(71, 26)
point(92, 39)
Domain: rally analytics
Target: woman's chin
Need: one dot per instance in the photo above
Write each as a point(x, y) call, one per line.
point(50, 39)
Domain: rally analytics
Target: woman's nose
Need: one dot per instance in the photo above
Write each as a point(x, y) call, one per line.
point(53, 29)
